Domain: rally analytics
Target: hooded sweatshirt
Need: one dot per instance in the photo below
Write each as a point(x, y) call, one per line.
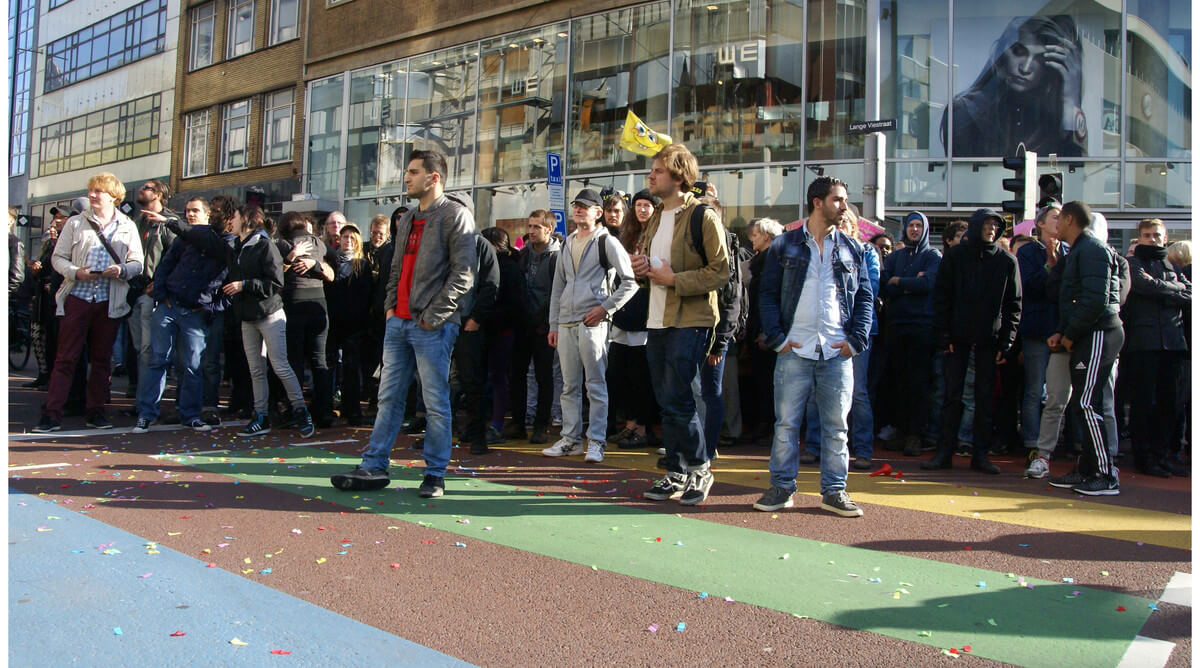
point(916, 265)
point(977, 297)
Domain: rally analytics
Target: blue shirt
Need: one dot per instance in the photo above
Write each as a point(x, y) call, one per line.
point(818, 312)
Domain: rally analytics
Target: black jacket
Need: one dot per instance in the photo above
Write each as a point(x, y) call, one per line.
point(303, 287)
point(257, 263)
point(383, 269)
point(508, 296)
point(977, 293)
point(1154, 312)
point(348, 296)
point(1089, 297)
point(480, 299)
point(194, 268)
point(538, 269)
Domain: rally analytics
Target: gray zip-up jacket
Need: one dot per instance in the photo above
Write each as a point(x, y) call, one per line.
point(577, 291)
point(444, 268)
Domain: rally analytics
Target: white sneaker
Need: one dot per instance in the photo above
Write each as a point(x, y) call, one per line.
point(887, 433)
point(661, 451)
point(595, 452)
point(1038, 468)
point(563, 448)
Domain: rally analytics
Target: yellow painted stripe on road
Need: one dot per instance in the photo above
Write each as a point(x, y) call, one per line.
point(1063, 511)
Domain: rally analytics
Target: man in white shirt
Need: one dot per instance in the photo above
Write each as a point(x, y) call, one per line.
point(816, 310)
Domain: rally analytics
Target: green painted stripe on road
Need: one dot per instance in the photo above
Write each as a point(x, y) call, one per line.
point(997, 616)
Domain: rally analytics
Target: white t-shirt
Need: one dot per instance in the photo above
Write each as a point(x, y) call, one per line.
point(660, 247)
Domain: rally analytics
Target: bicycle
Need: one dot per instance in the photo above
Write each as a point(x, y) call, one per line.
point(20, 342)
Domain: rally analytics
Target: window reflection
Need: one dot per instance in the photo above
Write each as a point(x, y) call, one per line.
point(915, 75)
point(376, 152)
point(441, 108)
point(324, 125)
point(1159, 79)
point(836, 77)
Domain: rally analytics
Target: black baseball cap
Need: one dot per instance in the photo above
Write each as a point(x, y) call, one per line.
point(587, 197)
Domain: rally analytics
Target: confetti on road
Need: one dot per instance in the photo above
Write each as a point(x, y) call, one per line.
point(653, 628)
point(178, 634)
point(681, 626)
point(117, 631)
point(238, 642)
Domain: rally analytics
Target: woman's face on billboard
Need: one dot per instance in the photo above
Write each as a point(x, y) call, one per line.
point(1022, 64)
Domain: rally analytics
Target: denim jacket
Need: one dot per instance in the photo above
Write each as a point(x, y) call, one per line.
point(784, 272)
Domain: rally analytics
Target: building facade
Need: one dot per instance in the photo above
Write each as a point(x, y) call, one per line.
point(102, 97)
point(764, 93)
point(238, 100)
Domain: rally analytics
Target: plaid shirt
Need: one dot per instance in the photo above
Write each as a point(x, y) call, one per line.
point(98, 258)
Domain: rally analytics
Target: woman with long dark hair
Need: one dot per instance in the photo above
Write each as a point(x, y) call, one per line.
point(349, 299)
point(1029, 92)
point(305, 273)
point(254, 284)
point(632, 401)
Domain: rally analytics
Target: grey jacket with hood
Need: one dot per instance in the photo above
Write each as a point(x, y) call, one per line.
point(444, 268)
point(578, 290)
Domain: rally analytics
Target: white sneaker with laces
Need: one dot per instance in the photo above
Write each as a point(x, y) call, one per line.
point(1038, 468)
point(563, 448)
point(595, 452)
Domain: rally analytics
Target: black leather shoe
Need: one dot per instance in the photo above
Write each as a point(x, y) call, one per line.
point(980, 463)
point(942, 460)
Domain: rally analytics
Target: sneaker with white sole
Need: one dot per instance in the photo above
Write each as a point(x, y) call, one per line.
point(661, 451)
point(564, 447)
point(1069, 480)
point(775, 498)
point(671, 485)
point(142, 426)
point(199, 425)
point(595, 452)
point(696, 489)
point(259, 426)
point(1038, 468)
point(1101, 485)
point(839, 503)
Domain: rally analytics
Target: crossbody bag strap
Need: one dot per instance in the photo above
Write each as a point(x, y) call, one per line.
point(107, 246)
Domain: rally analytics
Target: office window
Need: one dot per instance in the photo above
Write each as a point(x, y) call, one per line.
point(324, 125)
point(235, 130)
point(195, 144)
point(441, 108)
point(285, 16)
point(120, 132)
point(204, 20)
point(124, 37)
point(241, 28)
point(277, 126)
point(22, 16)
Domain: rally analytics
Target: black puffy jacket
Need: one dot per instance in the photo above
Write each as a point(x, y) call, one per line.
point(1153, 314)
point(977, 292)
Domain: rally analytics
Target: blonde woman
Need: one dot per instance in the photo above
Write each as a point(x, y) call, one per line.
point(349, 300)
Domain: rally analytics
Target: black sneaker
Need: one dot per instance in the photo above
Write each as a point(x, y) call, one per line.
point(258, 426)
point(304, 422)
point(964, 449)
point(774, 499)
point(1067, 481)
point(142, 425)
point(46, 425)
point(198, 425)
point(98, 421)
point(697, 487)
point(634, 441)
point(538, 436)
point(416, 426)
point(360, 479)
point(211, 418)
point(431, 487)
point(1101, 485)
point(670, 486)
point(494, 436)
point(839, 503)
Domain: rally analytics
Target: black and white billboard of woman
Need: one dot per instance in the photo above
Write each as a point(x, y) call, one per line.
point(1029, 91)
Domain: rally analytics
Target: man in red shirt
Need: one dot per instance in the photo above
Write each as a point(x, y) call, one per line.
point(431, 270)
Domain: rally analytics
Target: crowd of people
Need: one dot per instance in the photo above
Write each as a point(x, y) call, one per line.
point(634, 328)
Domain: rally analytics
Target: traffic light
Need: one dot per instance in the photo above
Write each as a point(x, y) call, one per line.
point(1050, 187)
point(1022, 185)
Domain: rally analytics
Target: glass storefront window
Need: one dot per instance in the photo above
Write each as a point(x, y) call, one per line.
point(376, 153)
point(764, 192)
point(324, 125)
point(737, 80)
point(1158, 185)
point(1159, 79)
point(619, 62)
point(523, 84)
point(360, 211)
point(914, 65)
point(837, 78)
point(1037, 73)
point(979, 184)
point(916, 184)
point(509, 206)
point(441, 108)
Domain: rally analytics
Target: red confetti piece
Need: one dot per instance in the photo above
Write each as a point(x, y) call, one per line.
point(63, 486)
point(1120, 608)
point(886, 469)
point(966, 648)
point(395, 565)
point(966, 547)
point(280, 651)
point(898, 474)
point(211, 565)
point(953, 651)
point(428, 541)
point(379, 503)
point(178, 634)
point(658, 540)
point(185, 517)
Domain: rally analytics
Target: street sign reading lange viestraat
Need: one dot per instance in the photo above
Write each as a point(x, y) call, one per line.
point(867, 127)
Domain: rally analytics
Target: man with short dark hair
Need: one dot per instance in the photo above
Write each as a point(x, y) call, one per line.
point(538, 262)
point(953, 233)
point(976, 305)
point(431, 271)
point(1089, 327)
point(1155, 350)
point(156, 239)
point(816, 306)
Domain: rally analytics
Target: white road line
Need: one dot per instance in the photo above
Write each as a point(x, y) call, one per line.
point(37, 466)
point(123, 430)
point(1146, 652)
point(344, 440)
point(187, 454)
point(1178, 590)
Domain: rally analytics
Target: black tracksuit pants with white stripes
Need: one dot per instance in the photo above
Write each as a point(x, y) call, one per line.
point(1092, 359)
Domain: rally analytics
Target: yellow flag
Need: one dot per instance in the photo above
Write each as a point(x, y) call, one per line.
point(639, 138)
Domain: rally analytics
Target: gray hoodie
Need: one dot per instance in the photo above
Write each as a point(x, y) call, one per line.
point(577, 291)
point(444, 268)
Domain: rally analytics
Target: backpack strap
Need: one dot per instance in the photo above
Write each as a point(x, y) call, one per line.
point(697, 225)
point(603, 250)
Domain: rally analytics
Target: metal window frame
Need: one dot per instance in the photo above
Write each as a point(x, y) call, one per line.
point(193, 41)
point(226, 119)
point(190, 128)
point(231, 26)
point(268, 108)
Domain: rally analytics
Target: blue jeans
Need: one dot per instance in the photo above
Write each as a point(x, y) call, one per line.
point(173, 326)
point(710, 406)
point(674, 356)
point(214, 341)
point(1037, 356)
point(966, 427)
point(831, 381)
point(408, 349)
point(937, 396)
point(863, 435)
